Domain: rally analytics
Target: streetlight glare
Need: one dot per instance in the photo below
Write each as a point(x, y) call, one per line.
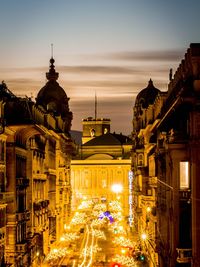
point(144, 236)
point(148, 209)
point(117, 188)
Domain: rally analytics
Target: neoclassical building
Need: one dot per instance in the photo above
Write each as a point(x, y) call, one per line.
point(103, 160)
point(166, 163)
point(35, 154)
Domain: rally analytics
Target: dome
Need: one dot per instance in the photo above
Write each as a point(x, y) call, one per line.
point(52, 97)
point(147, 96)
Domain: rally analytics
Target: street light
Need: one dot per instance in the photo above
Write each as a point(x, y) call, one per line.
point(117, 188)
point(116, 265)
point(148, 209)
point(144, 236)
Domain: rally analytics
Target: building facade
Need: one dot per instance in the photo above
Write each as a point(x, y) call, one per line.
point(103, 160)
point(35, 189)
point(3, 198)
point(166, 163)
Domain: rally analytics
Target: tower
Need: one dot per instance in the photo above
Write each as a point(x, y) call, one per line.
point(93, 127)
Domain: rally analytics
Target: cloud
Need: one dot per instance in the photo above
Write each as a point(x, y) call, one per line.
point(98, 69)
point(84, 69)
point(22, 81)
point(23, 70)
point(162, 55)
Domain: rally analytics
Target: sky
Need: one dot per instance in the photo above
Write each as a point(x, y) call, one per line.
point(110, 48)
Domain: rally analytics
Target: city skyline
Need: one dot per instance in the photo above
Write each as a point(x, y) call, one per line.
point(111, 48)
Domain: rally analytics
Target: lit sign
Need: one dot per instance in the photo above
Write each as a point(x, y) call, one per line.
point(130, 179)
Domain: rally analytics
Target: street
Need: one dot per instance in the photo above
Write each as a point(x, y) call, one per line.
point(97, 235)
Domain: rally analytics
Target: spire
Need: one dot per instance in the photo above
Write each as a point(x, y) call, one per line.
point(150, 83)
point(52, 74)
point(51, 50)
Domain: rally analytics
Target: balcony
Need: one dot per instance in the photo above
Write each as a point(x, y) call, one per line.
point(184, 255)
point(21, 248)
point(23, 216)
point(22, 182)
point(40, 204)
point(6, 197)
point(39, 176)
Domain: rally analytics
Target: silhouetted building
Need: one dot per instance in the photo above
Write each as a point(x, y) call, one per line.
point(166, 165)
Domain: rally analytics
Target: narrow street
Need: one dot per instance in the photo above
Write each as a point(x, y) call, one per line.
point(98, 235)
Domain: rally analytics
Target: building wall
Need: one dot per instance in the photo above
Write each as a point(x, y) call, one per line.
point(166, 158)
point(3, 198)
point(93, 179)
point(35, 187)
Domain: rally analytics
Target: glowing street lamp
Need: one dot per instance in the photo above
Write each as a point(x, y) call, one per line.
point(144, 236)
point(148, 209)
point(117, 188)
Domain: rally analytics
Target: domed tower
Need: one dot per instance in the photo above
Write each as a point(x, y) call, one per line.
point(144, 99)
point(53, 98)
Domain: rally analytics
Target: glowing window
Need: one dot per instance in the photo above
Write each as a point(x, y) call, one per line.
point(184, 175)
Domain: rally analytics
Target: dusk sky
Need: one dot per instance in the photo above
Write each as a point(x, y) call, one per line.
point(111, 47)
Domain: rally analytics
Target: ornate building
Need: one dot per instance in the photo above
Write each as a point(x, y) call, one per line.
point(166, 163)
point(145, 182)
point(35, 189)
point(3, 198)
point(103, 160)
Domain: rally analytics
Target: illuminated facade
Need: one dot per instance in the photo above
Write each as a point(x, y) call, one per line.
point(143, 163)
point(166, 165)
point(102, 161)
point(35, 172)
point(3, 198)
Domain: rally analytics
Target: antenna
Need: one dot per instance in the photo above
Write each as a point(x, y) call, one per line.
point(51, 50)
point(95, 107)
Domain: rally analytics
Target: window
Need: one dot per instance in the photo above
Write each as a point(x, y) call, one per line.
point(140, 160)
point(2, 182)
point(20, 166)
point(184, 175)
point(2, 150)
point(149, 192)
point(92, 132)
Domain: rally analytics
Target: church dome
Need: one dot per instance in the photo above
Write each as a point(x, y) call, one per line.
point(52, 97)
point(147, 96)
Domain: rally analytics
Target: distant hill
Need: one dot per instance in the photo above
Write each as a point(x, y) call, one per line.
point(76, 136)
